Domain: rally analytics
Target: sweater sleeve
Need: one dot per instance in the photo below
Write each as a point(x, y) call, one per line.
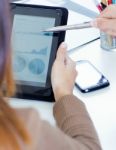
point(73, 119)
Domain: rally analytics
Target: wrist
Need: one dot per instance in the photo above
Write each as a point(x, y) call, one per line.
point(59, 93)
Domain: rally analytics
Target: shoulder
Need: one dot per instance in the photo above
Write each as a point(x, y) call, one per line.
point(32, 122)
point(28, 114)
point(30, 117)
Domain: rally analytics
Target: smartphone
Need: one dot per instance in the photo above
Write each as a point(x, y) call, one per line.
point(89, 77)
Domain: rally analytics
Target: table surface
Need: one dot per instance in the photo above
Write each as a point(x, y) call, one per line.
point(101, 104)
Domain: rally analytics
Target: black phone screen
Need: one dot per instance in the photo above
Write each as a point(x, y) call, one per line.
point(89, 77)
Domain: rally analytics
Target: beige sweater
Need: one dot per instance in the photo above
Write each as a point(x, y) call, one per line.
point(74, 131)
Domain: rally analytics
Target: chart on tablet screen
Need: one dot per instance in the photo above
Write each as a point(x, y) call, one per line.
point(79, 11)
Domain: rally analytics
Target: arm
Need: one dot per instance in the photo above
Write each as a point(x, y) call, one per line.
point(75, 130)
point(106, 21)
point(73, 119)
point(70, 113)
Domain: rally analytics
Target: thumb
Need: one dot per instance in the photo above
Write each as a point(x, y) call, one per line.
point(62, 52)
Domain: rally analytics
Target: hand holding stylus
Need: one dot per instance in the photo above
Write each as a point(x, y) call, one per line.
point(106, 21)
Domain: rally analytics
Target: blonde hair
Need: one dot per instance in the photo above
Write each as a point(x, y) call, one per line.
point(13, 133)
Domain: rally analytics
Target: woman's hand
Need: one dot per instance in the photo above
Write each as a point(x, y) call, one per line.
point(63, 73)
point(106, 21)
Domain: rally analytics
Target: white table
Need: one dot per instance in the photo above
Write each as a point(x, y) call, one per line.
point(100, 104)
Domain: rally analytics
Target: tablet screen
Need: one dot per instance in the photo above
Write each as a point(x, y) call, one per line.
point(34, 51)
point(32, 48)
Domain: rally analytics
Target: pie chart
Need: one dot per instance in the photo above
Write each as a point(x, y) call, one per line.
point(36, 66)
point(19, 64)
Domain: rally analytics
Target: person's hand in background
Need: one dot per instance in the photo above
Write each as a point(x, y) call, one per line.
point(63, 73)
point(106, 21)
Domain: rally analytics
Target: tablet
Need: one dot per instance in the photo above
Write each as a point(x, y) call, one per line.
point(34, 51)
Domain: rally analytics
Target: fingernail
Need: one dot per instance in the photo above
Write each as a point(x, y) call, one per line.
point(94, 23)
point(63, 45)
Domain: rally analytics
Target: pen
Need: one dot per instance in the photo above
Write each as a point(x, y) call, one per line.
point(69, 27)
point(98, 5)
point(113, 1)
point(103, 5)
point(109, 2)
point(113, 38)
point(104, 2)
point(109, 38)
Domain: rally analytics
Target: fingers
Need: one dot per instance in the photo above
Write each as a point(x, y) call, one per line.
point(63, 58)
point(71, 65)
point(105, 25)
point(70, 62)
point(106, 21)
point(109, 12)
point(62, 52)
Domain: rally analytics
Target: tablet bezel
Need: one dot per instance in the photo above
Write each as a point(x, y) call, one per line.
point(60, 14)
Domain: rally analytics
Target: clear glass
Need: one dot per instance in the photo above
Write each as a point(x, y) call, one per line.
point(107, 42)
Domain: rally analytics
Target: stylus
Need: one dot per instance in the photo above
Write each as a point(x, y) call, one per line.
point(69, 27)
